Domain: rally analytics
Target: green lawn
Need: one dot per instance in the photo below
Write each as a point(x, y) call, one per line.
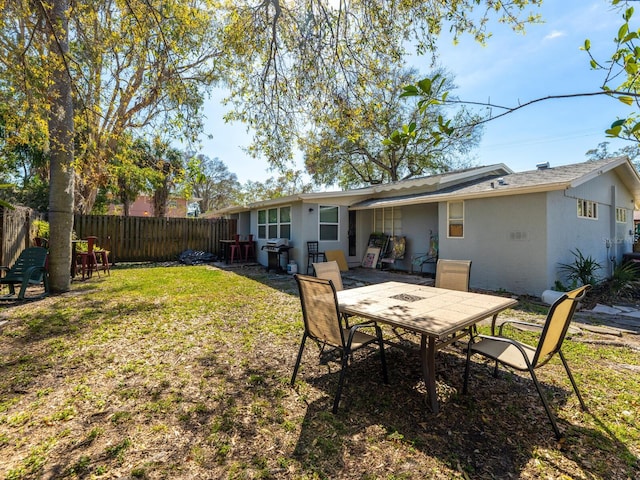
point(183, 372)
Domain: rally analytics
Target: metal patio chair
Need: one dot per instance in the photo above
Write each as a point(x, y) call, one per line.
point(329, 271)
point(523, 357)
point(322, 324)
point(314, 254)
point(453, 274)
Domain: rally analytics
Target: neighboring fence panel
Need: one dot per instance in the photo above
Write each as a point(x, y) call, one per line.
point(136, 239)
point(15, 225)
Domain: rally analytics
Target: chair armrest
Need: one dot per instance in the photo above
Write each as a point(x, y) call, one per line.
point(371, 324)
point(357, 326)
point(510, 341)
point(29, 272)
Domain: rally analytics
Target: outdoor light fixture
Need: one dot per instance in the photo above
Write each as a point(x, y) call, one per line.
point(310, 209)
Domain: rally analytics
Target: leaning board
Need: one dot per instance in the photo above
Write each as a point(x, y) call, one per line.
point(370, 259)
point(338, 256)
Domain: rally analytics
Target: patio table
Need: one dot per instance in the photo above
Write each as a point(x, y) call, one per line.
point(436, 314)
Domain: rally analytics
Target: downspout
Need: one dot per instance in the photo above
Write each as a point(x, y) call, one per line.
point(612, 259)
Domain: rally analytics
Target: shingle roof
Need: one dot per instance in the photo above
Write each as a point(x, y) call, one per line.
point(541, 180)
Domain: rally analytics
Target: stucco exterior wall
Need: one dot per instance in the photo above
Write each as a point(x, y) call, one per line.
point(516, 243)
point(603, 238)
point(505, 238)
point(364, 221)
point(305, 228)
point(418, 222)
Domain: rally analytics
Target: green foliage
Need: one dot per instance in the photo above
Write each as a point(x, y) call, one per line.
point(319, 63)
point(625, 281)
point(4, 203)
point(439, 138)
point(287, 183)
point(41, 228)
point(622, 68)
point(582, 269)
point(134, 66)
point(371, 135)
point(211, 182)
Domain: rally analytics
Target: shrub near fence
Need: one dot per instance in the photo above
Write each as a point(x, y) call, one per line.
point(140, 239)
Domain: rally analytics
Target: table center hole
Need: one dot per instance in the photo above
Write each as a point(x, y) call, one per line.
point(405, 297)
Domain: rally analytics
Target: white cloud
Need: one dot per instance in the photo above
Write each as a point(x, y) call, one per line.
point(555, 34)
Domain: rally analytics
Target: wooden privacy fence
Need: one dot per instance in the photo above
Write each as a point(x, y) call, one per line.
point(139, 239)
point(15, 232)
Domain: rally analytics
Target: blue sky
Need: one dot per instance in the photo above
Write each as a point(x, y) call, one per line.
point(511, 69)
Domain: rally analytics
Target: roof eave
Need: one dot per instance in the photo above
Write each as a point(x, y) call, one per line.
point(446, 197)
point(629, 177)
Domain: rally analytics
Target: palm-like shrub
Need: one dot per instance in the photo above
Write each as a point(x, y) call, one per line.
point(582, 270)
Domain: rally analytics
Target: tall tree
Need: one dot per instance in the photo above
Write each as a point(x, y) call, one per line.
point(347, 138)
point(290, 182)
point(168, 167)
point(602, 151)
point(286, 60)
point(61, 146)
point(139, 65)
point(131, 168)
point(213, 184)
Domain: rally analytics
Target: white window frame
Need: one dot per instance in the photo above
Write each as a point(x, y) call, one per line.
point(455, 220)
point(263, 224)
point(282, 223)
point(278, 223)
point(587, 209)
point(388, 220)
point(321, 223)
point(621, 215)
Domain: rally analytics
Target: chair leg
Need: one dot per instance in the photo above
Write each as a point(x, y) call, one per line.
point(295, 369)
point(545, 404)
point(104, 259)
point(309, 266)
point(573, 382)
point(23, 289)
point(94, 259)
point(343, 372)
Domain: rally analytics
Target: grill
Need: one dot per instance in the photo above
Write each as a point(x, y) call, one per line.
point(275, 248)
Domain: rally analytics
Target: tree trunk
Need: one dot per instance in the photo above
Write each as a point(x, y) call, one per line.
point(61, 151)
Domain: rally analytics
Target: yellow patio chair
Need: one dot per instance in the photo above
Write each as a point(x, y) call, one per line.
point(329, 271)
point(322, 324)
point(453, 274)
point(523, 357)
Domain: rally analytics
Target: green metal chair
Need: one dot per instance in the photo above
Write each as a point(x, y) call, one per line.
point(29, 269)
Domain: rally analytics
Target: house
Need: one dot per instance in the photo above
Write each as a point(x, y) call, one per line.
point(143, 207)
point(516, 227)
